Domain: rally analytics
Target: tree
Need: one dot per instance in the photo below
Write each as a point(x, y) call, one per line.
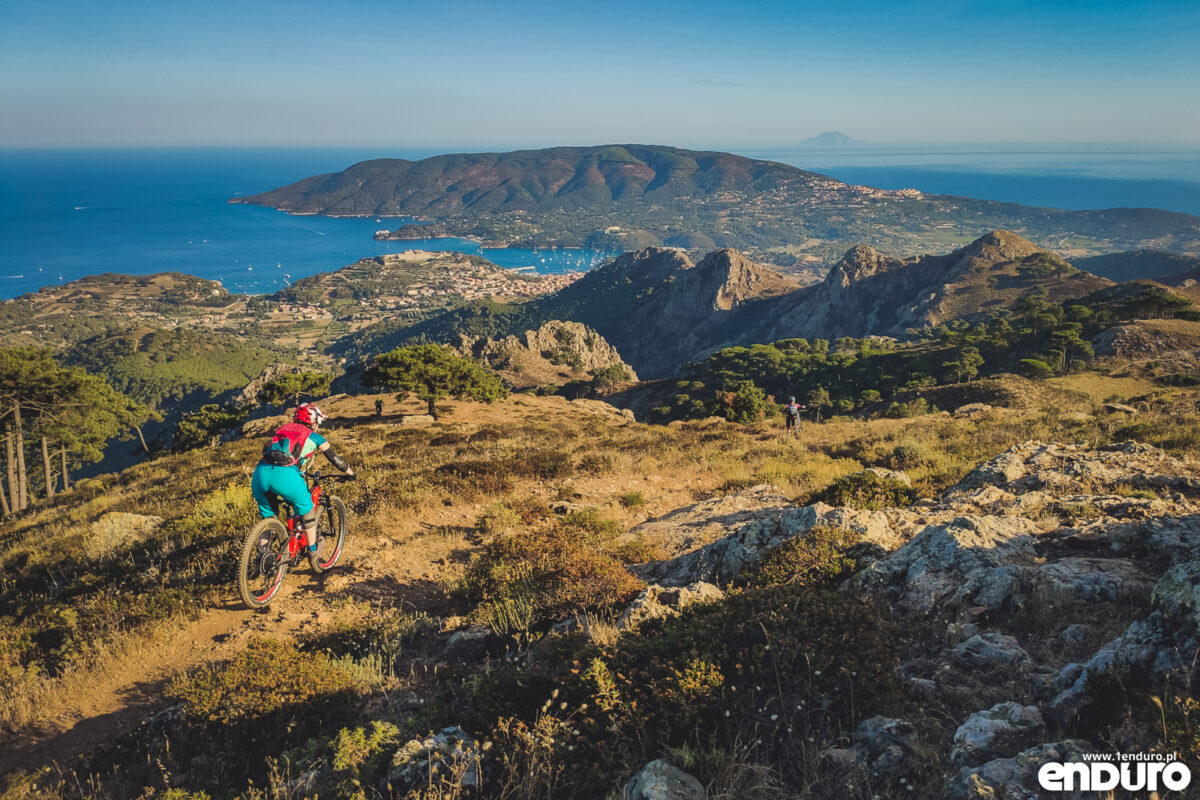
point(741, 401)
point(69, 408)
point(1066, 343)
point(966, 366)
point(431, 372)
point(1035, 368)
point(293, 386)
point(200, 428)
point(606, 377)
point(818, 398)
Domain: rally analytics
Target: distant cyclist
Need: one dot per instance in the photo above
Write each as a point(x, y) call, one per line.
point(285, 459)
point(379, 406)
point(791, 417)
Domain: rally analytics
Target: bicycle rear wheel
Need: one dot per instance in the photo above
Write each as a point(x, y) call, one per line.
point(263, 563)
point(331, 535)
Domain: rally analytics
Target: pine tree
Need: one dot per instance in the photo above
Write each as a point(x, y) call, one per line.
point(431, 372)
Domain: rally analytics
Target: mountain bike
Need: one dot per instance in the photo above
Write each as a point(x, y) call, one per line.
point(272, 547)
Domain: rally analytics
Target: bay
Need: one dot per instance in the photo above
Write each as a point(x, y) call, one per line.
point(65, 214)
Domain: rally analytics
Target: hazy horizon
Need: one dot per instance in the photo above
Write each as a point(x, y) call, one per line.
point(467, 74)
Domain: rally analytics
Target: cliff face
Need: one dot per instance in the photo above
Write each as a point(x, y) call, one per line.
point(660, 310)
point(870, 293)
point(555, 352)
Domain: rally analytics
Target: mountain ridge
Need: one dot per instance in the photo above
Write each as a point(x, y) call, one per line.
point(630, 196)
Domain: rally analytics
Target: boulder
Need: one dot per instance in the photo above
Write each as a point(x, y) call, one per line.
point(723, 560)
point(660, 780)
point(468, 644)
point(1177, 595)
point(118, 528)
point(991, 650)
point(970, 560)
point(995, 733)
point(1090, 580)
point(884, 744)
point(450, 755)
point(1016, 778)
point(662, 601)
point(1143, 646)
point(1000, 471)
point(887, 475)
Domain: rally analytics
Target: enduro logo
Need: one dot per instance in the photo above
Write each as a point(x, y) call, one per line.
point(1098, 772)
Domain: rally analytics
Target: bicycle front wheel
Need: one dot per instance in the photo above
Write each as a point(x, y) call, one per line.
point(331, 535)
point(263, 563)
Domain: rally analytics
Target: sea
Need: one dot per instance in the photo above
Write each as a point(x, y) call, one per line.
point(65, 214)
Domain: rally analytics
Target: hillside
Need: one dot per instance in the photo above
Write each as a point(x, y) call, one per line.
point(868, 293)
point(1139, 265)
point(554, 354)
point(661, 310)
point(632, 196)
point(555, 589)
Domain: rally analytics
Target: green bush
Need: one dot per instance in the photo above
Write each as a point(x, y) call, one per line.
point(266, 677)
point(868, 490)
point(816, 557)
point(543, 575)
point(632, 499)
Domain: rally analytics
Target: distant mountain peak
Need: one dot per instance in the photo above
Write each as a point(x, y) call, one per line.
point(831, 139)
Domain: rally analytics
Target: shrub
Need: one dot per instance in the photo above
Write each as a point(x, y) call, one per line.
point(632, 499)
point(913, 408)
point(766, 671)
point(814, 558)
point(1035, 368)
point(910, 453)
point(868, 490)
point(548, 574)
point(741, 401)
point(266, 677)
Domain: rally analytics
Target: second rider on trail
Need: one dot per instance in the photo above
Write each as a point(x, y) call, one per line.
point(285, 459)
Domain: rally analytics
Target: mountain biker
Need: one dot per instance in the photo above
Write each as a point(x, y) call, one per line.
point(791, 416)
point(285, 459)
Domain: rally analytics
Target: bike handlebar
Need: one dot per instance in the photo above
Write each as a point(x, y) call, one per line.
point(332, 476)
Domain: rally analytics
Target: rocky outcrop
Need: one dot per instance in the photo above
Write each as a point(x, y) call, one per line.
point(1002, 729)
point(723, 560)
point(655, 602)
point(117, 529)
point(661, 780)
point(553, 353)
point(248, 396)
point(450, 755)
point(1053, 569)
point(1016, 778)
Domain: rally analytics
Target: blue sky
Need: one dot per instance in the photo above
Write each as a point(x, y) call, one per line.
point(461, 74)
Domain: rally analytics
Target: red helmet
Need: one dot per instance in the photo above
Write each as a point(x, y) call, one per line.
point(309, 414)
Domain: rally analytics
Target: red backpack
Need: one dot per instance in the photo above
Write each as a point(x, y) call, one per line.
point(292, 436)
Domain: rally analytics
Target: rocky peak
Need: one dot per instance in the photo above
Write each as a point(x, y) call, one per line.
point(861, 261)
point(649, 264)
point(740, 279)
point(554, 352)
point(998, 246)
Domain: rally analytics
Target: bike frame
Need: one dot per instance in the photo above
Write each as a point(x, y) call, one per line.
point(296, 544)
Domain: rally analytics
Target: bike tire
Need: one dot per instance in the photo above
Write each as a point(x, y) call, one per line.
point(332, 527)
point(266, 540)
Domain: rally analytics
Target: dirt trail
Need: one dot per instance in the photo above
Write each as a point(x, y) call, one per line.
point(405, 572)
point(113, 699)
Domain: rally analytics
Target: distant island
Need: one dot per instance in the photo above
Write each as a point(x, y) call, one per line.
point(625, 197)
point(830, 139)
